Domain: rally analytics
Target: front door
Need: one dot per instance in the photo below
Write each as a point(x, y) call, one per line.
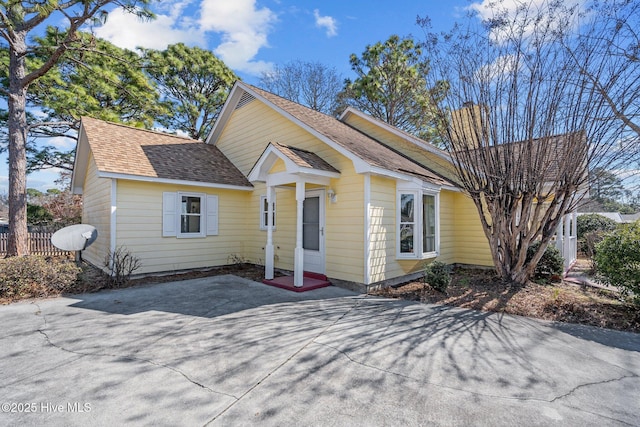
point(313, 231)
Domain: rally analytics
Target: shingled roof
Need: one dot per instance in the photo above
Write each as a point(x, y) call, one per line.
point(126, 150)
point(363, 146)
point(305, 158)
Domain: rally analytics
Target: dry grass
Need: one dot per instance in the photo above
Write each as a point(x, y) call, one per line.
point(560, 301)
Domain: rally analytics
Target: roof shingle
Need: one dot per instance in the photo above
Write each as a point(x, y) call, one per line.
point(305, 158)
point(123, 149)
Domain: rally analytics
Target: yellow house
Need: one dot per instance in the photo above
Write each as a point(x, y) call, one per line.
point(350, 200)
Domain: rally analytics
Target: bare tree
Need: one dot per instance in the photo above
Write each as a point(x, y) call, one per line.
point(18, 20)
point(309, 83)
point(606, 49)
point(525, 124)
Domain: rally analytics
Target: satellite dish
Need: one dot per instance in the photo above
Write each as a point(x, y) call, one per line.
point(75, 237)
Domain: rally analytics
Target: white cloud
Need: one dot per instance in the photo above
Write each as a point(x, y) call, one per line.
point(524, 14)
point(128, 31)
point(244, 31)
point(61, 142)
point(327, 22)
point(503, 65)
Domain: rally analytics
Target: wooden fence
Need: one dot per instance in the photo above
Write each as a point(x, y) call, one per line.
point(39, 244)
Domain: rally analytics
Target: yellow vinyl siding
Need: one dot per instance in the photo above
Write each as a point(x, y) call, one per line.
point(447, 227)
point(345, 225)
point(139, 228)
point(96, 211)
point(244, 144)
point(471, 245)
point(382, 244)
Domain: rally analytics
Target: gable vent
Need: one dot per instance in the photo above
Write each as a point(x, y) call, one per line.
point(245, 99)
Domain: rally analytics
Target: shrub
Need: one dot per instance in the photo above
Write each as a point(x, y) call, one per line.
point(617, 259)
point(590, 229)
point(594, 222)
point(587, 245)
point(35, 276)
point(121, 263)
point(438, 275)
point(551, 263)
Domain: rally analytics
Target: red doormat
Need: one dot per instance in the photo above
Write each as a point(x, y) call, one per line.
point(310, 282)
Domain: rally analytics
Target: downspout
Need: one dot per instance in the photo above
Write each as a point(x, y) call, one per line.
point(367, 229)
point(112, 228)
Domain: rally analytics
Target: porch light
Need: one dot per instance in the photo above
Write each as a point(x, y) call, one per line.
point(333, 197)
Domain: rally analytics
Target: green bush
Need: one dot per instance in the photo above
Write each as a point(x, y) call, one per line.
point(617, 259)
point(438, 275)
point(35, 276)
point(594, 222)
point(590, 230)
point(551, 263)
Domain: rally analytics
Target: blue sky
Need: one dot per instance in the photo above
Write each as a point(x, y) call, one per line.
point(252, 36)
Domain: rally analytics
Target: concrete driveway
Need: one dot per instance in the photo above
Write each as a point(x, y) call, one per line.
point(227, 351)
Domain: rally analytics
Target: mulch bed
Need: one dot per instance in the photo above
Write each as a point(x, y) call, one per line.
point(558, 301)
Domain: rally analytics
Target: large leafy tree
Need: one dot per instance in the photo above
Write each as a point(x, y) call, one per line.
point(308, 83)
point(18, 21)
point(194, 84)
point(391, 85)
point(526, 123)
point(94, 78)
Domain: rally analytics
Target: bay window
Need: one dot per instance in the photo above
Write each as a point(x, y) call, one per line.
point(418, 224)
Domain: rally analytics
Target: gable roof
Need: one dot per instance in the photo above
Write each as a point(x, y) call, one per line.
point(305, 158)
point(368, 154)
point(125, 152)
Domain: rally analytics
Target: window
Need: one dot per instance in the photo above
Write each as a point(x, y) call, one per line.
point(417, 218)
point(428, 223)
point(407, 223)
point(190, 216)
point(264, 209)
point(186, 215)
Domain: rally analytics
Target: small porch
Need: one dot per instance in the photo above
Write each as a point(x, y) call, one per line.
point(309, 176)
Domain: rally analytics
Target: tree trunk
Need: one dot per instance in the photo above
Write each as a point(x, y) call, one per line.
point(18, 244)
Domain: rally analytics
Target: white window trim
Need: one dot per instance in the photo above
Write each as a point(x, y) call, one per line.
point(203, 210)
point(263, 200)
point(416, 210)
point(417, 192)
point(436, 196)
point(172, 212)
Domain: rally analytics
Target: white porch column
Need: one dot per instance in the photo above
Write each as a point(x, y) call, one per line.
point(559, 234)
point(268, 249)
point(298, 267)
point(566, 252)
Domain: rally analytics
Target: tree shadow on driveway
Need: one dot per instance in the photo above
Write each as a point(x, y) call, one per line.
point(244, 352)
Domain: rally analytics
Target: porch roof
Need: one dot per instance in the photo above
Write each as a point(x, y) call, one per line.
point(298, 163)
point(304, 158)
